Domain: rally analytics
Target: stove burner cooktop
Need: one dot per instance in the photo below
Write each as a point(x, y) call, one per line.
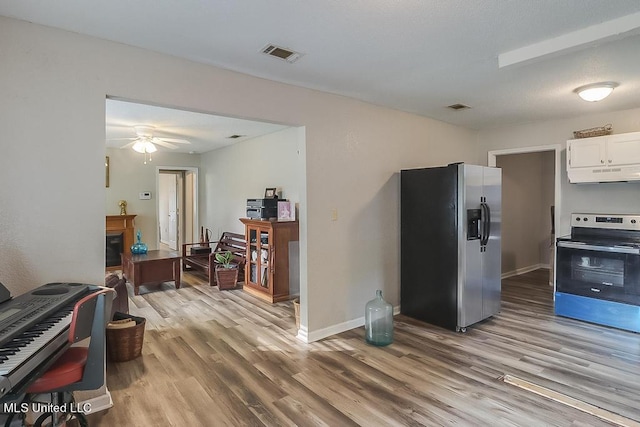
point(605, 230)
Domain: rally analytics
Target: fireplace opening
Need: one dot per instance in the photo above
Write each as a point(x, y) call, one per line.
point(115, 246)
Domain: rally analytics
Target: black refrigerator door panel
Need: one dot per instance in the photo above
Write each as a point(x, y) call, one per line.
point(429, 245)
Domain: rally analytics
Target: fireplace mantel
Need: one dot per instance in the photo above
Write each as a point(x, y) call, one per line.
point(121, 224)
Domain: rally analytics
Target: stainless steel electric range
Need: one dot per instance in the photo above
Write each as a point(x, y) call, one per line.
point(598, 270)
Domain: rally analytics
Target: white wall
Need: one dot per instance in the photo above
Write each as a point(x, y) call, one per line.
point(242, 171)
point(53, 86)
point(597, 198)
point(129, 176)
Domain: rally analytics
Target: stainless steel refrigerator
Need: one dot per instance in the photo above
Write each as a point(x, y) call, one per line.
point(450, 244)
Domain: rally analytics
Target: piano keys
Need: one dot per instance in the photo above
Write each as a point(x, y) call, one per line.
point(34, 332)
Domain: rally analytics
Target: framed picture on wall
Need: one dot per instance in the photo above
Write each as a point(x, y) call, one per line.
point(269, 193)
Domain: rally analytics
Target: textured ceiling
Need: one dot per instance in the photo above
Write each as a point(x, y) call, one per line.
point(413, 55)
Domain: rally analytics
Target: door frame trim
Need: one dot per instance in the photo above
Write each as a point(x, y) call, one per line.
point(557, 148)
point(196, 198)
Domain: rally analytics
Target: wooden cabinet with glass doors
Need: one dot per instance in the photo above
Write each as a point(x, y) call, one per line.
point(267, 269)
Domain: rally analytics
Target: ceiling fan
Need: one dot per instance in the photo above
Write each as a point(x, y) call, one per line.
point(145, 143)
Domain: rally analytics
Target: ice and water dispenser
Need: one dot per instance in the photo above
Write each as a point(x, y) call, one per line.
point(473, 224)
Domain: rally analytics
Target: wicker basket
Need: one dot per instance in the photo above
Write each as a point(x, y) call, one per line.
point(588, 133)
point(125, 344)
point(296, 312)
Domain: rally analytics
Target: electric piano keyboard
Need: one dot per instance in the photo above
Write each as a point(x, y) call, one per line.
point(33, 331)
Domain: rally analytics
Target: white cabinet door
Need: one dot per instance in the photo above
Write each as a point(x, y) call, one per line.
point(623, 149)
point(587, 152)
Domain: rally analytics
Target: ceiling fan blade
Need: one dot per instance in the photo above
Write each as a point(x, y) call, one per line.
point(129, 144)
point(164, 143)
point(175, 140)
point(121, 139)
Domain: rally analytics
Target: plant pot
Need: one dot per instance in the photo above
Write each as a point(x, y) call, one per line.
point(226, 278)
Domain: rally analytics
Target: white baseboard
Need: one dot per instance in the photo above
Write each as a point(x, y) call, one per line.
point(523, 270)
point(305, 336)
point(97, 403)
point(308, 337)
point(335, 329)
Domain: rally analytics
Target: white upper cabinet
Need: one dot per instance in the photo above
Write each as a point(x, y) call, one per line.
point(587, 152)
point(604, 158)
point(624, 149)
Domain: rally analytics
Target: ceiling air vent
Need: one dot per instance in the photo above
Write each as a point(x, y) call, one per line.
point(458, 107)
point(281, 53)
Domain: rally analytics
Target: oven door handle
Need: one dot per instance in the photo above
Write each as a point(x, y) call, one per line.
point(612, 249)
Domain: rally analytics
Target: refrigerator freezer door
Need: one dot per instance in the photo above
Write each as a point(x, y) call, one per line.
point(470, 278)
point(429, 245)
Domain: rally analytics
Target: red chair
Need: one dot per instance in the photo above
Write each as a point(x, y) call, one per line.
point(79, 367)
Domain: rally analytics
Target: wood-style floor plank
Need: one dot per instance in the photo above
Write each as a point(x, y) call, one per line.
point(213, 358)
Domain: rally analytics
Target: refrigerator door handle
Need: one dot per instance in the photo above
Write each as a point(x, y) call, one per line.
point(488, 232)
point(486, 224)
point(483, 222)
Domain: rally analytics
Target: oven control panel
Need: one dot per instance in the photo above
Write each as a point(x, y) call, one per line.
point(617, 222)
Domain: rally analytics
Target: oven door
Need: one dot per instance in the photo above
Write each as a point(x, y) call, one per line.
point(599, 271)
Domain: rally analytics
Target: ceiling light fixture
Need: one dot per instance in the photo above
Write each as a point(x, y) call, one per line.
point(145, 146)
point(596, 91)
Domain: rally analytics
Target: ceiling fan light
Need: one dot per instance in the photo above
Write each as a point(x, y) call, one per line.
point(144, 146)
point(149, 147)
point(139, 146)
point(596, 91)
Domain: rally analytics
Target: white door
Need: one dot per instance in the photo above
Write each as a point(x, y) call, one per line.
point(177, 207)
point(168, 209)
point(172, 199)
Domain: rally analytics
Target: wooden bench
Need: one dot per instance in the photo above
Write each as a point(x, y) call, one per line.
point(196, 257)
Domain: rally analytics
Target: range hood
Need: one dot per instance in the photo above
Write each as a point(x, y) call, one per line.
point(617, 174)
point(611, 158)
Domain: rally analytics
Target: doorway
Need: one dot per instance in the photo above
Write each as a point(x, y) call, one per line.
point(531, 205)
point(177, 206)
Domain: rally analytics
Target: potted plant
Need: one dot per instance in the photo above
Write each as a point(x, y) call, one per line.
point(226, 273)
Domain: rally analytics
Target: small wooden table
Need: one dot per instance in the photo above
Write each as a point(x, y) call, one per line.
point(153, 267)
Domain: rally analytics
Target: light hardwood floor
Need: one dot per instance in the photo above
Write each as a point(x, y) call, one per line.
point(214, 358)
